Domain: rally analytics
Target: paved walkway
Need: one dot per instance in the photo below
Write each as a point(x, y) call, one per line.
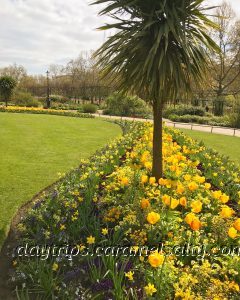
point(197, 127)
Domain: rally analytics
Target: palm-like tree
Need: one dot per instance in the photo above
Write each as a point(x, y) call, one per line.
point(159, 47)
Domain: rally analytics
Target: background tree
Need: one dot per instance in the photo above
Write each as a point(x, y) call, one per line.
point(7, 85)
point(225, 68)
point(159, 46)
point(17, 72)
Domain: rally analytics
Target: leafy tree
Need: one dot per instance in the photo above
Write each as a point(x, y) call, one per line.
point(158, 47)
point(226, 63)
point(7, 85)
point(18, 72)
point(225, 68)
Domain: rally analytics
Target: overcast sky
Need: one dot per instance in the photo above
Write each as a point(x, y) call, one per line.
point(37, 33)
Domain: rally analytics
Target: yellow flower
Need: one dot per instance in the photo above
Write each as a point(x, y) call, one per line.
point(226, 212)
point(199, 179)
point(55, 267)
point(224, 198)
point(217, 194)
point(192, 186)
point(232, 233)
point(195, 224)
point(207, 186)
point(183, 201)
point(144, 179)
point(80, 199)
point(153, 218)
point(174, 203)
point(196, 206)
point(156, 259)
point(145, 203)
point(166, 199)
point(104, 231)
point(180, 188)
point(234, 286)
point(152, 180)
point(189, 218)
point(91, 240)
point(62, 227)
point(187, 177)
point(150, 289)
point(124, 181)
point(129, 275)
point(237, 224)
point(148, 165)
point(162, 181)
point(81, 247)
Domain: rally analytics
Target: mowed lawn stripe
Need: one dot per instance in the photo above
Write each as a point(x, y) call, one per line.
point(224, 144)
point(35, 148)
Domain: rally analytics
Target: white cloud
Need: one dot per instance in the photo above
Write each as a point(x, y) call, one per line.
point(37, 33)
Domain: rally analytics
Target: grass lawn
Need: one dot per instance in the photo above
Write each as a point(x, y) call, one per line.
point(227, 145)
point(34, 148)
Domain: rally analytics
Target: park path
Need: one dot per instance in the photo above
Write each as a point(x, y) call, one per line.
point(197, 127)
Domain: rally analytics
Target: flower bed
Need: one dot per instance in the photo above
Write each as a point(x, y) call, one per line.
point(37, 110)
point(131, 237)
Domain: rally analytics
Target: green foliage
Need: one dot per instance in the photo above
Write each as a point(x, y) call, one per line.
point(218, 106)
point(7, 85)
point(214, 121)
point(182, 110)
point(89, 108)
point(235, 116)
point(66, 106)
point(128, 106)
point(58, 99)
point(158, 48)
point(25, 99)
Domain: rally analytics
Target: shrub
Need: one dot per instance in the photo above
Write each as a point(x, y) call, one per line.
point(59, 99)
point(128, 106)
point(182, 110)
point(235, 116)
point(25, 99)
point(208, 120)
point(66, 106)
point(89, 108)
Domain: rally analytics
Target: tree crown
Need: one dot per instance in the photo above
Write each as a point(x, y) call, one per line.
point(158, 47)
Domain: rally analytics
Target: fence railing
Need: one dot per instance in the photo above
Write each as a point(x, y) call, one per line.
point(191, 126)
point(205, 128)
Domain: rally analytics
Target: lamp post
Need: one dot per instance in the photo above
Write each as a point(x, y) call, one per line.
point(48, 91)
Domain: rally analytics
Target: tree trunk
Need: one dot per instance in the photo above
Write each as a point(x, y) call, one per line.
point(157, 167)
point(6, 102)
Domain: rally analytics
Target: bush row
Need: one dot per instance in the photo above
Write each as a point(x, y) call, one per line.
point(213, 121)
point(181, 110)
